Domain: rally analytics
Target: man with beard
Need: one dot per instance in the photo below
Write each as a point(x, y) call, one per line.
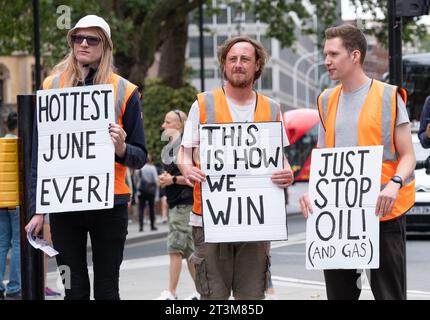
point(238, 267)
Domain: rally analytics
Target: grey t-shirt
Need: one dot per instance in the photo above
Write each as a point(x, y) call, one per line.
point(348, 113)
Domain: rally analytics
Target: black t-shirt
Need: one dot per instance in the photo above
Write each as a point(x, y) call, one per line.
point(176, 193)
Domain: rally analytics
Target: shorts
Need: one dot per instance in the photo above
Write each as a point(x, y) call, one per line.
point(241, 267)
point(180, 239)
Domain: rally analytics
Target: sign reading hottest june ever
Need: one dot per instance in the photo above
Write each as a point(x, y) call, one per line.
point(75, 167)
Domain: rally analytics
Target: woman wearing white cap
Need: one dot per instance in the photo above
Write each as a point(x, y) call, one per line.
point(90, 62)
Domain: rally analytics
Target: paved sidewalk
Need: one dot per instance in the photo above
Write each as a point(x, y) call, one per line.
point(146, 278)
point(134, 235)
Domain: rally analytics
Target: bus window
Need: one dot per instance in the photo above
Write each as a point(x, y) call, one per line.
point(416, 80)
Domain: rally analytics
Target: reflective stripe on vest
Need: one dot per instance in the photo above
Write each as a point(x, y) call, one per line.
point(214, 108)
point(386, 116)
point(55, 82)
point(119, 95)
point(208, 100)
point(323, 100)
point(375, 126)
point(123, 90)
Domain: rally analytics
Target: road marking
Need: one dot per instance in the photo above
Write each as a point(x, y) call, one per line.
point(286, 281)
point(297, 238)
point(163, 260)
point(288, 253)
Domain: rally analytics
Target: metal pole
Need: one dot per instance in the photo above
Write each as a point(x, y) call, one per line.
point(201, 48)
point(36, 43)
point(394, 44)
point(295, 67)
point(32, 275)
point(308, 84)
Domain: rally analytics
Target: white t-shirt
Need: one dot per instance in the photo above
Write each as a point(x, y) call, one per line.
point(191, 137)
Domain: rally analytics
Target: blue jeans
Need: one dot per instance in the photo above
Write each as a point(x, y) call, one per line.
point(9, 237)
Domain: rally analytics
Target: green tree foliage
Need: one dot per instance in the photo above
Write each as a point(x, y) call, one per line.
point(159, 99)
point(424, 45)
point(140, 27)
point(411, 30)
point(16, 26)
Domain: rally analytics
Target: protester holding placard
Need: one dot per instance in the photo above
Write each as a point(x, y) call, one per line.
point(366, 112)
point(90, 62)
point(240, 267)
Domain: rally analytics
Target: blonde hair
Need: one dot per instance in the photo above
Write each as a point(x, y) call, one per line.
point(69, 65)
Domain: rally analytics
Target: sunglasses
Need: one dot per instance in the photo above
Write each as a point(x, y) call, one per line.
point(91, 41)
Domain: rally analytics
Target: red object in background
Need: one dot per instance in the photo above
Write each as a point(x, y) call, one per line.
point(299, 121)
point(301, 126)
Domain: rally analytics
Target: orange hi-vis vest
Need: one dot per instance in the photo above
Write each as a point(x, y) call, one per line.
point(376, 124)
point(214, 108)
point(123, 90)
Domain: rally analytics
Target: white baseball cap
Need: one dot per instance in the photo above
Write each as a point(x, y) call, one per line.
point(88, 22)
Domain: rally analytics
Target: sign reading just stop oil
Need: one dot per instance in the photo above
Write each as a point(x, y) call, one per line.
point(343, 231)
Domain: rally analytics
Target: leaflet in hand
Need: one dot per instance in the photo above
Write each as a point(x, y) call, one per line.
point(41, 244)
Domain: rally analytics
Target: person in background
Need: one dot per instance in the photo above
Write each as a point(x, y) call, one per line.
point(424, 131)
point(164, 206)
point(147, 182)
point(270, 292)
point(10, 235)
point(180, 199)
point(47, 237)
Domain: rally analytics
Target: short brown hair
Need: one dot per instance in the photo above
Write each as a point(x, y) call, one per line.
point(352, 38)
point(261, 55)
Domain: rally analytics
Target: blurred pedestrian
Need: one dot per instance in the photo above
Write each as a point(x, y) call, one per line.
point(49, 292)
point(10, 235)
point(424, 130)
point(180, 200)
point(147, 182)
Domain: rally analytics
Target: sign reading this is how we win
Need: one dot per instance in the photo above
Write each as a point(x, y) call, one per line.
point(239, 200)
point(343, 230)
point(75, 168)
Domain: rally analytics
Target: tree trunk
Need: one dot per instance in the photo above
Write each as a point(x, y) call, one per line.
point(172, 60)
point(151, 30)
